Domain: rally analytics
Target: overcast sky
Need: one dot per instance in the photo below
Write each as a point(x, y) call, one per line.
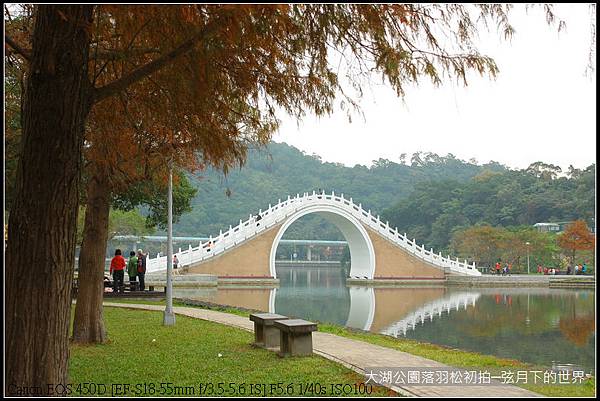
point(541, 107)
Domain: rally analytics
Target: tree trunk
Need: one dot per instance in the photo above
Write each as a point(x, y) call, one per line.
point(88, 325)
point(40, 253)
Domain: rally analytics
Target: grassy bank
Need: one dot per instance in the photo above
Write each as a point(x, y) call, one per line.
point(198, 358)
point(449, 356)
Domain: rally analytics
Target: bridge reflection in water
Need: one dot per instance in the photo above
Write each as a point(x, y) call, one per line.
point(537, 325)
point(321, 294)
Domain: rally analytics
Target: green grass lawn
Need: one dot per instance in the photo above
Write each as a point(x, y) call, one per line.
point(449, 356)
point(200, 358)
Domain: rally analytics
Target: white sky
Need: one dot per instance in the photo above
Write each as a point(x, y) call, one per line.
point(541, 107)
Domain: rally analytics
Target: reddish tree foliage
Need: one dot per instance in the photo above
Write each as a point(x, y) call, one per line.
point(576, 237)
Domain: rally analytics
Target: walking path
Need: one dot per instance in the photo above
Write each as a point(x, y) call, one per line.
point(358, 355)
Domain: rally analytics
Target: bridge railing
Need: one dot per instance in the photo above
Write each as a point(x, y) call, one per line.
point(431, 310)
point(275, 214)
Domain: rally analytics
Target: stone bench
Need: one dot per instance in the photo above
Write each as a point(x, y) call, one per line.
point(295, 336)
point(265, 334)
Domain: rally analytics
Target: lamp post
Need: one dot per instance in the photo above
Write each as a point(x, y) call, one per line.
point(527, 243)
point(169, 316)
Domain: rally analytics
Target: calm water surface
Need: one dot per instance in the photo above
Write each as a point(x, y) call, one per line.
point(537, 325)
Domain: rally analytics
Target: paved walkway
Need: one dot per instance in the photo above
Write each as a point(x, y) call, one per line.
point(357, 355)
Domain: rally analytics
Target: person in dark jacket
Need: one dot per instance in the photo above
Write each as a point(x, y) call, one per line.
point(141, 270)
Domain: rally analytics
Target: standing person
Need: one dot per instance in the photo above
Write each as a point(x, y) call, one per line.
point(569, 269)
point(539, 269)
point(508, 268)
point(141, 268)
point(497, 268)
point(132, 264)
point(117, 269)
point(175, 262)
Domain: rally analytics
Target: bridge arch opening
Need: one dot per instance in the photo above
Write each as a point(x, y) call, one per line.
point(362, 253)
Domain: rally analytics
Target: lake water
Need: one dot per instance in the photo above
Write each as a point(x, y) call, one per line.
point(537, 325)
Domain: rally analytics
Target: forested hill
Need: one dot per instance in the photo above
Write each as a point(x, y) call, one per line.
point(435, 210)
point(281, 170)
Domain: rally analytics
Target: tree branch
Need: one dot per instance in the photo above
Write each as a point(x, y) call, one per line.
point(17, 48)
point(153, 66)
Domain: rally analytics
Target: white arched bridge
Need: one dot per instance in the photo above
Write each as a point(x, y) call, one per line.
point(377, 251)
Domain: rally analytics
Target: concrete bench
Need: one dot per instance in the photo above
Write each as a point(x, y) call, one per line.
point(295, 336)
point(265, 334)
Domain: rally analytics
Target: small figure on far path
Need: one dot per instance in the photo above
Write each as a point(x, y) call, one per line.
point(497, 268)
point(117, 269)
point(569, 269)
point(583, 268)
point(508, 268)
point(141, 269)
point(539, 269)
point(175, 262)
point(132, 269)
